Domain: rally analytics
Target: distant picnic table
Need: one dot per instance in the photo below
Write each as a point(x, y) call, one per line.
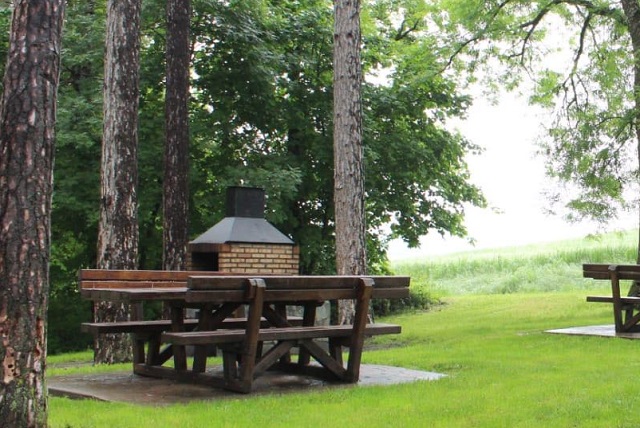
point(261, 341)
point(626, 308)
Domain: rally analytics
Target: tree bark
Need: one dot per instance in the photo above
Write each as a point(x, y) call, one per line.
point(176, 155)
point(118, 226)
point(347, 146)
point(27, 139)
point(632, 12)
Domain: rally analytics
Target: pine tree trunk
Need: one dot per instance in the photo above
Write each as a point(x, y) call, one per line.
point(348, 151)
point(118, 227)
point(176, 156)
point(27, 123)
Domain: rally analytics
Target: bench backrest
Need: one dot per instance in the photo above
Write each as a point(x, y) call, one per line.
point(604, 271)
point(292, 288)
point(103, 278)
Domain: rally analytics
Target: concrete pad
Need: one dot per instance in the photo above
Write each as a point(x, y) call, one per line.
point(130, 388)
point(595, 330)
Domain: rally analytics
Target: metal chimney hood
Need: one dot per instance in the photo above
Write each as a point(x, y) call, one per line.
point(244, 221)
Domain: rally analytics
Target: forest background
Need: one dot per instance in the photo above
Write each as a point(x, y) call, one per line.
point(260, 115)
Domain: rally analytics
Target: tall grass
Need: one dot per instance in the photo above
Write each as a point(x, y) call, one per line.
point(534, 268)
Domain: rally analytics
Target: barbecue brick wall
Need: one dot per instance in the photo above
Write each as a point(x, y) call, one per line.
point(245, 258)
point(259, 258)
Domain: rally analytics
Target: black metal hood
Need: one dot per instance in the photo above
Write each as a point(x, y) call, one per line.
point(244, 221)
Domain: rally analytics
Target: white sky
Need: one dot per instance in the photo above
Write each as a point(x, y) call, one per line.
point(512, 179)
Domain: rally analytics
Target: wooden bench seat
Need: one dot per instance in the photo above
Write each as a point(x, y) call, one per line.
point(627, 300)
point(266, 300)
point(626, 309)
point(140, 286)
point(160, 326)
point(274, 334)
point(243, 359)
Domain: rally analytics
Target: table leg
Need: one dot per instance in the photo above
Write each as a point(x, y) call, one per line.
point(201, 351)
point(179, 351)
point(308, 319)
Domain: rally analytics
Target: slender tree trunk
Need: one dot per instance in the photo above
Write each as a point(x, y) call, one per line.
point(347, 146)
point(176, 155)
point(118, 227)
point(632, 12)
point(27, 137)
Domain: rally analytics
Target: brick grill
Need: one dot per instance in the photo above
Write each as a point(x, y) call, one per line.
point(244, 242)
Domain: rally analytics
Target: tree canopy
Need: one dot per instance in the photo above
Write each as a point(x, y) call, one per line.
point(581, 58)
point(261, 115)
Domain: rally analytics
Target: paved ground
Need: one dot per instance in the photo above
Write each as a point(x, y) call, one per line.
point(130, 388)
point(595, 330)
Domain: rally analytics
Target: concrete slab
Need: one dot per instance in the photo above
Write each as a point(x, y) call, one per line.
point(595, 330)
point(130, 388)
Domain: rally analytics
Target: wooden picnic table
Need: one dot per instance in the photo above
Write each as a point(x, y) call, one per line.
point(626, 308)
point(261, 341)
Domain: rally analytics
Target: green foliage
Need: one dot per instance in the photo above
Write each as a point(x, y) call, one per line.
point(580, 59)
point(261, 114)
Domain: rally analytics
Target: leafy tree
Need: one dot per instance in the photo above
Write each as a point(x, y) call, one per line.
point(593, 86)
point(261, 114)
point(264, 84)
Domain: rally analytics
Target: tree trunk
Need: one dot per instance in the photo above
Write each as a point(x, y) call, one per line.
point(632, 12)
point(118, 227)
point(176, 155)
point(27, 124)
point(347, 146)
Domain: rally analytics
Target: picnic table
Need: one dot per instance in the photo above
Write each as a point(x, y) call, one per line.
point(261, 341)
point(626, 308)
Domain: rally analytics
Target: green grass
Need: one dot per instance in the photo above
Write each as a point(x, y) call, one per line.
point(503, 370)
point(534, 268)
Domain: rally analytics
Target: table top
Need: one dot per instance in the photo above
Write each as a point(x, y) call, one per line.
point(134, 294)
point(220, 289)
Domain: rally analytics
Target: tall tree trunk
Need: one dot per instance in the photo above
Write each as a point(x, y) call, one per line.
point(27, 138)
point(632, 12)
point(347, 146)
point(176, 154)
point(118, 227)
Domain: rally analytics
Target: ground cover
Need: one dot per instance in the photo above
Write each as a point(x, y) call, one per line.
point(503, 370)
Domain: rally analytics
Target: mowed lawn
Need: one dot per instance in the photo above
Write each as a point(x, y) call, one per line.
point(502, 370)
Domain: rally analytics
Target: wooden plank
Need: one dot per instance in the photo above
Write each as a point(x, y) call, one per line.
point(273, 282)
point(603, 271)
point(628, 300)
point(365, 288)
point(290, 333)
point(131, 326)
point(141, 275)
point(250, 343)
point(293, 297)
point(134, 295)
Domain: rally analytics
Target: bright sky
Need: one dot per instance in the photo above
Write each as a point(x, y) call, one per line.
point(512, 178)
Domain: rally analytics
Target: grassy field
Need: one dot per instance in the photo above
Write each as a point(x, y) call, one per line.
point(487, 336)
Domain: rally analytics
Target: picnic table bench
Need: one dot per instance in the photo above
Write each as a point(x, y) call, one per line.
point(626, 309)
point(136, 287)
point(266, 298)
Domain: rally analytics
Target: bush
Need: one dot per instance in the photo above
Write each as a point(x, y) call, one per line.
point(66, 312)
point(419, 298)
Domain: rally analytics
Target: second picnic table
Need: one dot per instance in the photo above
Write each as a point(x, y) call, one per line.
point(242, 341)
